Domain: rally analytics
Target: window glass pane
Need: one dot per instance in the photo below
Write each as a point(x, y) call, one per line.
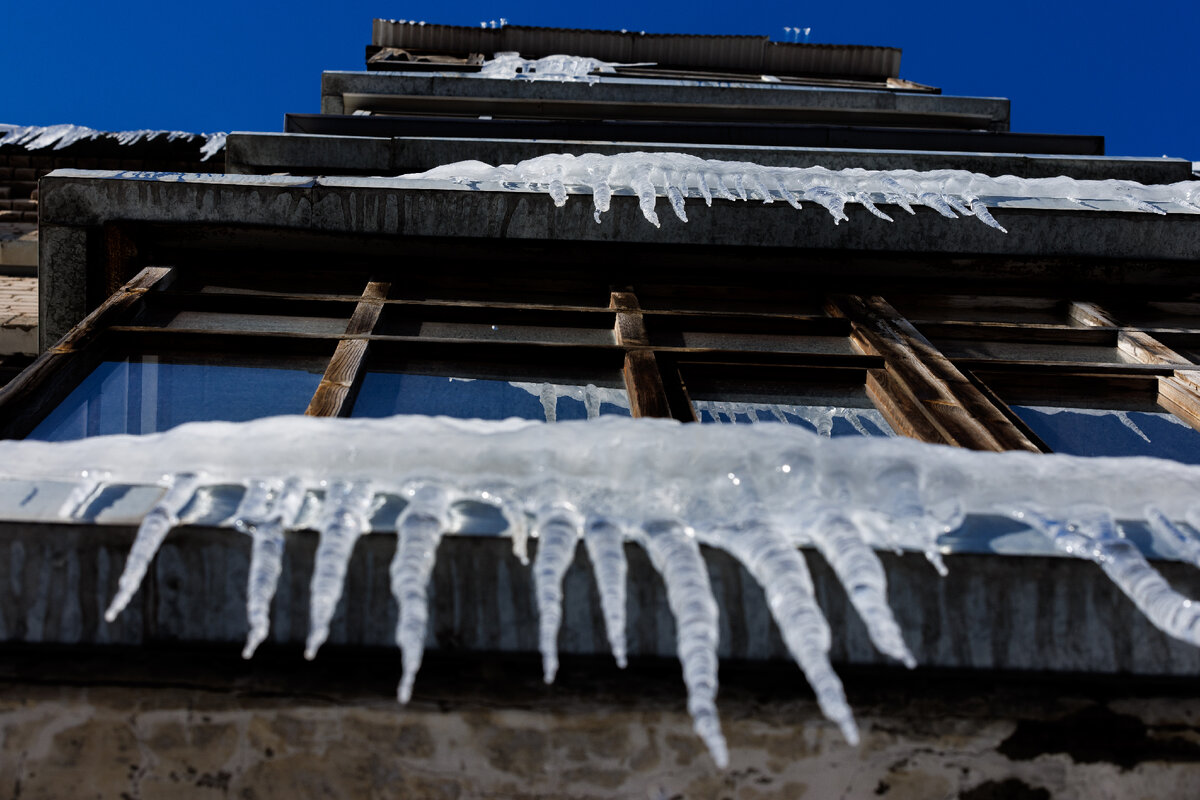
point(144, 394)
point(1111, 432)
point(386, 393)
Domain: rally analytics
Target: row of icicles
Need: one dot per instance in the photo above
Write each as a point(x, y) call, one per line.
point(912, 505)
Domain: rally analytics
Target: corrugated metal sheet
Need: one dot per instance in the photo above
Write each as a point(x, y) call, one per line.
point(751, 54)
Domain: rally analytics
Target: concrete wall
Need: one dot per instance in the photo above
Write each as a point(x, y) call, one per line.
point(178, 726)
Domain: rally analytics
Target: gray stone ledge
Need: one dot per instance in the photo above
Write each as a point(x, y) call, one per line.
point(991, 613)
point(301, 153)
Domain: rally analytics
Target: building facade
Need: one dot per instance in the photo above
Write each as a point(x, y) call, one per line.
point(1065, 324)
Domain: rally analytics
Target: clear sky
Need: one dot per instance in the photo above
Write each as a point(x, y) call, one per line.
point(1126, 70)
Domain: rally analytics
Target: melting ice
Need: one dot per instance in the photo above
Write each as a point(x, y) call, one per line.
point(37, 137)
point(678, 176)
point(563, 68)
point(756, 492)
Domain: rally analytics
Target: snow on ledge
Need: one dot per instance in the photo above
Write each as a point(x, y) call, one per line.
point(678, 176)
point(754, 491)
point(38, 137)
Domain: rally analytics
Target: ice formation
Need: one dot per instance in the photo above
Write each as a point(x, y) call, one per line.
point(38, 137)
point(678, 176)
point(563, 68)
point(756, 492)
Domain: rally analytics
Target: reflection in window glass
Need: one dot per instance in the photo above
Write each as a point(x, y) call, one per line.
point(386, 393)
point(145, 394)
point(1108, 432)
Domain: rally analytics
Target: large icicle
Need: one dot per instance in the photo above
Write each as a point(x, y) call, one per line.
point(266, 511)
point(150, 534)
point(780, 570)
point(1092, 533)
point(605, 546)
point(676, 556)
point(346, 517)
point(558, 531)
point(419, 529)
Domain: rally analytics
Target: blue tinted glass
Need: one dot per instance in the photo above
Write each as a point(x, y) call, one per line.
point(386, 393)
point(144, 395)
point(1091, 432)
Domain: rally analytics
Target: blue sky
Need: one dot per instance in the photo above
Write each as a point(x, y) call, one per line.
point(1123, 70)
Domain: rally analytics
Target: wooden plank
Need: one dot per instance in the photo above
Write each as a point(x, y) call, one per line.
point(899, 409)
point(1181, 398)
point(343, 376)
point(37, 390)
point(947, 400)
point(643, 381)
point(120, 254)
point(1138, 345)
point(1019, 332)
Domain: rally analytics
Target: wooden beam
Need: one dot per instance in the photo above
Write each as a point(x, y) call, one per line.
point(643, 378)
point(1138, 345)
point(49, 379)
point(920, 378)
point(343, 376)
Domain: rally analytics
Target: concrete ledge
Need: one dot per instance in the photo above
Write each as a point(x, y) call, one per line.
point(75, 204)
point(307, 154)
point(346, 92)
point(991, 613)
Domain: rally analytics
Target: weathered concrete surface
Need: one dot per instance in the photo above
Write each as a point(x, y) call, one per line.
point(990, 613)
point(307, 154)
point(76, 204)
point(195, 727)
point(346, 92)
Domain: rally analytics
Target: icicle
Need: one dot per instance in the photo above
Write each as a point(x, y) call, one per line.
point(591, 401)
point(1129, 423)
point(980, 210)
point(85, 491)
point(265, 513)
point(601, 198)
point(900, 499)
point(677, 558)
point(150, 534)
point(501, 497)
point(1182, 538)
point(956, 205)
point(1092, 533)
point(739, 185)
point(834, 202)
point(938, 203)
point(675, 195)
point(864, 199)
point(558, 532)
point(549, 398)
point(859, 571)
point(346, 517)
point(419, 529)
point(898, 194)
point(605, 546)
point(780, 570)
point(701, 183)
point(641, 185)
